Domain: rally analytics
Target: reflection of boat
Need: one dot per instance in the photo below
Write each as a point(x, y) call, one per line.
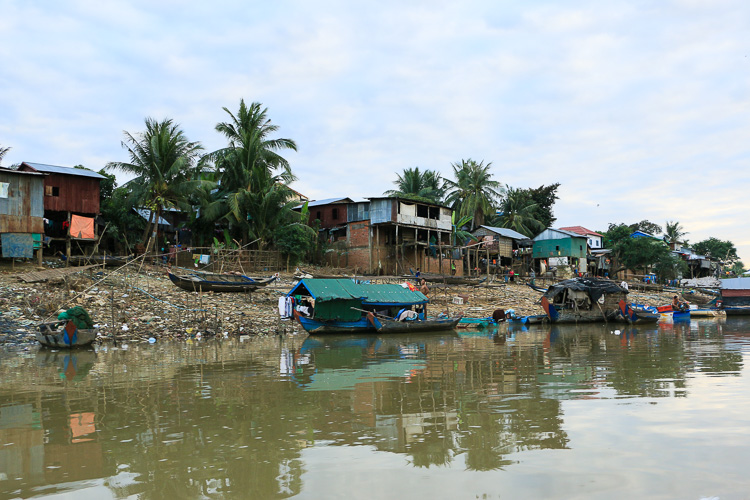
point(56, 335)
point(580, 300)
point(342, 306)
point(72, 365)
point(209, 282)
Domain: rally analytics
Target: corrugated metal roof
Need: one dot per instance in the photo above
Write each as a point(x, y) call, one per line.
point(581, 230)
point(54, 169)
point(323, 290)
point(735, 284)
point(508, 233)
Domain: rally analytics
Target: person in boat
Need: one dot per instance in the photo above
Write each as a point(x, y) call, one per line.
point(424, 288)
point(679, 305)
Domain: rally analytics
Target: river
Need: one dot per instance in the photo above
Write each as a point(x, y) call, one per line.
point(589, 411)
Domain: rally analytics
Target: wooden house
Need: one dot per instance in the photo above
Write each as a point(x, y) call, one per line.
point(558, 247)
point(593, 238)
point(501, 244)
point(21, 213)
point(71, 202)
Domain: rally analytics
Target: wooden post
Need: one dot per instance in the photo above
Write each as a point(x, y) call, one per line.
point(67, 243)
point(369, 245)
point(396, 242)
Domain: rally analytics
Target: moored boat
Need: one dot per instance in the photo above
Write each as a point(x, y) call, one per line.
point(343, 306)
point(210, 282)
point(581, 300)
point(65, 334)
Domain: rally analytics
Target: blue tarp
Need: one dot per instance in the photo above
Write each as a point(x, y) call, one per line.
point(17, 245)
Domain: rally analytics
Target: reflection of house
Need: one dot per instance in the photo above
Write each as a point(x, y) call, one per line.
point(21, 213)
point(71, 202)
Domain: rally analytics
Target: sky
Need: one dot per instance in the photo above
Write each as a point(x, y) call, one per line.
point(639, 109)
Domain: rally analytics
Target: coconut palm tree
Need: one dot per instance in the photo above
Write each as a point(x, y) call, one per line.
point(2, 153)
point(425, 185)
point(473, 192)
point(674, 233)
point(254, 194)
point(163, 161)
point(518, 212)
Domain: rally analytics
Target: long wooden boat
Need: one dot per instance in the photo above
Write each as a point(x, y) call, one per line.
point(707, 313)
point(208, 282)
point(390, 325)
point(65, 334)
point(451, 280)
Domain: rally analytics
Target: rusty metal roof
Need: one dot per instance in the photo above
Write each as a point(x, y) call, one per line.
point(54, 169)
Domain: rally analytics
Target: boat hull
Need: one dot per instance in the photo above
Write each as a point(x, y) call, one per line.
point(384, 325)
point(218, 283)
point(67, 337)
point(315, 326)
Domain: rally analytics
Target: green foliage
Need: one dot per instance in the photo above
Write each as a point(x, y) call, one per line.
point(295, 240)
point(519, 213)
point(420, 186)
point(458, 235)
point(544, 198)
point(673, 232)
point(737, 268)
point(473, 192)
point(124, 224)
point(647, 227)
point(669, 267)
point(717, 249)
point(3, 152)
point(163, 162)
point(106, 185)
point(636, 254)
point(253, 196)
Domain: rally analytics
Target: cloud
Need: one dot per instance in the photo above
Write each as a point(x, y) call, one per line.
point(639, 110)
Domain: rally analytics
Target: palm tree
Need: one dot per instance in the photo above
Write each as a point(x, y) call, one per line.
point(254, 177)
point(163, 162)
point(2, 153)
point(674, 233)
point(473, 192)
point(426, 185)
point(518, 213)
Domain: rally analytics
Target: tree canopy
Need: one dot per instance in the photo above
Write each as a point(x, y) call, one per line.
point(473, 192)
point(717, 249)
point(418, 185)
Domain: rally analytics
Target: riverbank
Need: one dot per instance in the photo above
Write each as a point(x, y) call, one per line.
point(141, 303)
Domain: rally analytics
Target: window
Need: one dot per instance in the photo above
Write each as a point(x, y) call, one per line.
point(51, 191)
point(335, 214)
point(317, 215)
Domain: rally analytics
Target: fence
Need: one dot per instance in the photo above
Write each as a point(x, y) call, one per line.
point(227, 260)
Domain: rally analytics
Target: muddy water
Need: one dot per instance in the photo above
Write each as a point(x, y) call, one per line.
point(564, 412)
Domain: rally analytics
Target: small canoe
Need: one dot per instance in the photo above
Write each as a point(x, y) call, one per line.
point(387, 325)
point(207, 282)
point(65, 334)
point(479, 323)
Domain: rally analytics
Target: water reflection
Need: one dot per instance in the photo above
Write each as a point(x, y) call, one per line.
point(235, 418)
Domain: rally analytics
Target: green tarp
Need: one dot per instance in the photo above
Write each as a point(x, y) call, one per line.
point(334, 298)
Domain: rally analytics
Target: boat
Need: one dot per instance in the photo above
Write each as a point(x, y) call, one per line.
point(638, 313)
point(210, 282)
point(477, 323)
point(735, 296)
point(669, 313)
point(707, 312)
point(392, 325)
point(581, 300)
point(65, 334)
point(343, 306)
point(450, 280)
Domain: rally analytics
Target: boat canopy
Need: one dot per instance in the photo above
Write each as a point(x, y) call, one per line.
point(335, 298)
point(324, 290)
point(595, 287)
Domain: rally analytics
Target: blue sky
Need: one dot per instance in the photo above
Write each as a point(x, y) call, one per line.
point(640, 110)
